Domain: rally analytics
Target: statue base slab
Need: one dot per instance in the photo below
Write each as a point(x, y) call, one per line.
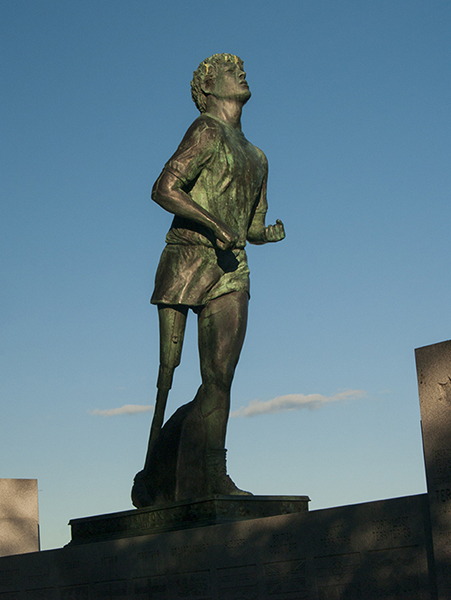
point(213, 510)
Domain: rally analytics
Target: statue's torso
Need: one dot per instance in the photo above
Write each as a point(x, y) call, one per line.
point(222, 172)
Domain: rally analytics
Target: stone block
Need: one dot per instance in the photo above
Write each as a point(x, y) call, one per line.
point(19, 517)
point(434, 385)
point(212, 510)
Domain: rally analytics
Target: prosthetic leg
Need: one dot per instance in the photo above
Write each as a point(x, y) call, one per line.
point(172, 330)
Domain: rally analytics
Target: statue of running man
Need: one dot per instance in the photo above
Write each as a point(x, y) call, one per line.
point(215, 185)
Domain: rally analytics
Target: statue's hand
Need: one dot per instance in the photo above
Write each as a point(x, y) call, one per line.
point(226, 238)
point(275, 233)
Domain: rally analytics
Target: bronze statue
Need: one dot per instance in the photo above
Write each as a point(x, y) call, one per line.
point(215, 185)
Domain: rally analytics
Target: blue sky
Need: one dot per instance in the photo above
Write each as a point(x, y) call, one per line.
point(350, 102)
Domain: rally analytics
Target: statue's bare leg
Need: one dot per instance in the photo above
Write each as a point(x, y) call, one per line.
point(221, 329)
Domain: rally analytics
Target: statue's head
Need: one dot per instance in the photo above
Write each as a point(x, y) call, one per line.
point(205, 76)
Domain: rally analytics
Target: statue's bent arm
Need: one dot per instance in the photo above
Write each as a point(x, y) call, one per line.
point(258, 232)
point(168, 193)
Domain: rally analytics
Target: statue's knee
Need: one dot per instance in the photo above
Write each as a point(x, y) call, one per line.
point(218, 383)
point(219, 375)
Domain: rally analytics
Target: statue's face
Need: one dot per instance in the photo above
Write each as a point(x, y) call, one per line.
point(230, 83)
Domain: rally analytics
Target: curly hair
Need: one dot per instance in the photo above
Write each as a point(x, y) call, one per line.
point(207, 70)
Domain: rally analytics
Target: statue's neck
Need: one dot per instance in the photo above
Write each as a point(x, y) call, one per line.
point(228, 111)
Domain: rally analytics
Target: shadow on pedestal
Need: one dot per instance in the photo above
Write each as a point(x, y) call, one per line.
point(213, 510)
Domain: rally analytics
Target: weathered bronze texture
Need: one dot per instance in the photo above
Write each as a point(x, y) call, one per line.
point(215, 185)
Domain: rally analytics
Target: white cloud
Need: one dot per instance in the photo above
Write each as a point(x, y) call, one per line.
point(127, 409)
point(294, 402)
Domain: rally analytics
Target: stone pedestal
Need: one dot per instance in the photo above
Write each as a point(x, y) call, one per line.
point(213, 510)
point(434, 385)
point(19, 518)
